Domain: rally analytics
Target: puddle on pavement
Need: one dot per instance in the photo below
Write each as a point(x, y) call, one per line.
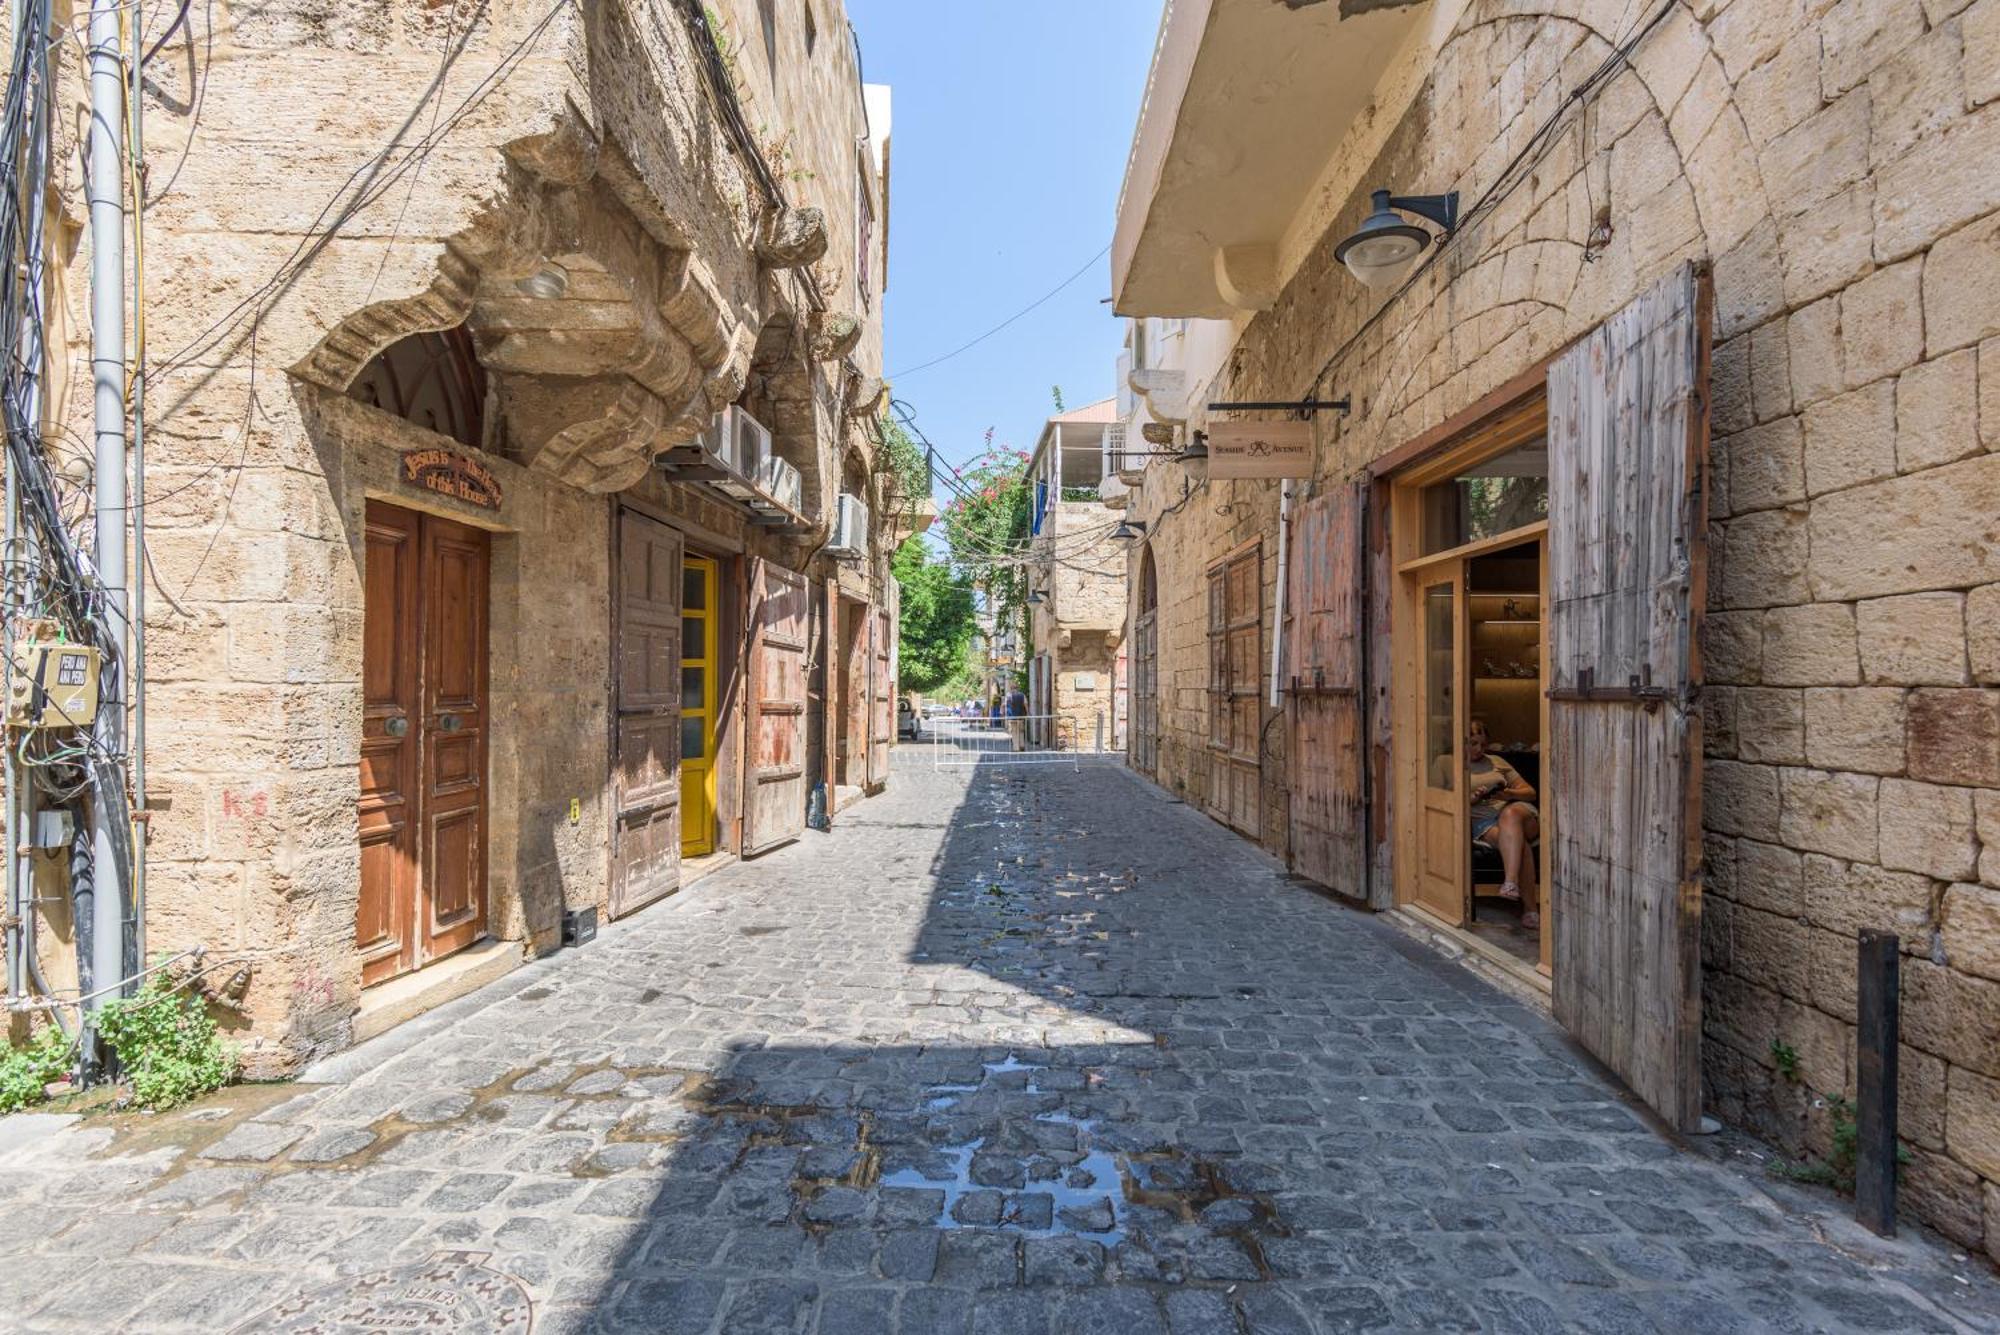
point(1081, 1195)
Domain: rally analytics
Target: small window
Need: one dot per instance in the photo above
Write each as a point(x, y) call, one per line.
point(432, 380)
point(1497, 495)
point(864, 235)
point(812, 28)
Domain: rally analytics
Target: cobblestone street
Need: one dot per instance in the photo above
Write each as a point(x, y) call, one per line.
point(1012, 1050)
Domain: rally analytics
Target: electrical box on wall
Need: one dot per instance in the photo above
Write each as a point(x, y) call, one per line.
point(54, 683)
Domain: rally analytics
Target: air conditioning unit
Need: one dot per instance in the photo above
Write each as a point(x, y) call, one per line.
point(719, 433)
point(850, 527)
point(780, 481)
point(751, 440)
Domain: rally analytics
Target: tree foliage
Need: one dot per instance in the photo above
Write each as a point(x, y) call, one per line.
point(988, 527)
point(938, 618)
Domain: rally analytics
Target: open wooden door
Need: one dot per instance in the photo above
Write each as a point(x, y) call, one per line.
point(881, 693)
point(646, 772)
point(1628, 449)
point(1443, 848)
point(774, 777)
point(1323, 691)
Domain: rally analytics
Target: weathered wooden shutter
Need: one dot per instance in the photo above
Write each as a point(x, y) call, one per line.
point(774, 803)
point(1322, 678)
point(1146, 691)
point(646, 839)
point(1628, 449)
point(881, 693)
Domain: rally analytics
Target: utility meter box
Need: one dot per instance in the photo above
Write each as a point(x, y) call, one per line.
point(54, 685)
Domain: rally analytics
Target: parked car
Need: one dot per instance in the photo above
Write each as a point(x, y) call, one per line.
point(907, 723)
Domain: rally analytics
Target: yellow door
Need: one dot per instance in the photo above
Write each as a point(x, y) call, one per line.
point(698, 705)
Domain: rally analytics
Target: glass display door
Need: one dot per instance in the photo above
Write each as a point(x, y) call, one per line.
point(698, 705)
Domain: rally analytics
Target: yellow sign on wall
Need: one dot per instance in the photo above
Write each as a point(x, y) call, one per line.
point(1260, 449)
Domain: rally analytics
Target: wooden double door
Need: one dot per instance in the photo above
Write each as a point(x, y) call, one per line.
point(423, 740)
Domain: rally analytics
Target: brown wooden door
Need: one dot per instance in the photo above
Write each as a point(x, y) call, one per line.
point(423, 740)
point(774, 805)
point(1628, 448)
point(1235, 688)
point(1146, 691)
point(881, 693)
point(646, 771)
point(1323, 670)
point(1443, 848)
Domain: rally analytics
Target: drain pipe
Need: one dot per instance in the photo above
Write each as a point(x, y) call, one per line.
point(1284, 571)
point(108, 810)
point(142, 829)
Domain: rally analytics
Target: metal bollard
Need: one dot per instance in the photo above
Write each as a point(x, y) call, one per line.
point(1876, 1035)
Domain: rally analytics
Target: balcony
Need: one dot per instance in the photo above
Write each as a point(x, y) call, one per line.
point(1246, 104)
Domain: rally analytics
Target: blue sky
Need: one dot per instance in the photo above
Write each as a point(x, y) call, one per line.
point(1012, 122)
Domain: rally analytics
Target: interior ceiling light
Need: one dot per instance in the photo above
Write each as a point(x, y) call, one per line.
point(1386, 243)
point(549, 282)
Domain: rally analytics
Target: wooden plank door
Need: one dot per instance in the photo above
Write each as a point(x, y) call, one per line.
point(881, 693)
point(774, 804)
point(1443, 851)
point(646, 834)
point(391, 808)
point(423, 740)
point(1323, 680)
point(455, 562)
point(1146, 691)
point(1628, 449)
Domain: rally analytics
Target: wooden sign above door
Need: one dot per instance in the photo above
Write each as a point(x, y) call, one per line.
point(448, 473)
point(1260, 449)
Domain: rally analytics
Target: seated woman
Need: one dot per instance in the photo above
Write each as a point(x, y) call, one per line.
point(1503, 818)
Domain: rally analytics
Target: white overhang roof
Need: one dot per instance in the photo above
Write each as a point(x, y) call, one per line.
point(1246, 102)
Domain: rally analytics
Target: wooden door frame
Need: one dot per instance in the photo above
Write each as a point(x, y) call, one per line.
point(1491, 428)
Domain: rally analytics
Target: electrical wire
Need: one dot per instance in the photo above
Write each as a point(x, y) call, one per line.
point(1029, 309)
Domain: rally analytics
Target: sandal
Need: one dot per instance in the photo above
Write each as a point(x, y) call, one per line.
point(1531, 920)
point(1508, 890)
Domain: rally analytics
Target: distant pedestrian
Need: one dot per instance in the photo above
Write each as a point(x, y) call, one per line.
point(1017, 718)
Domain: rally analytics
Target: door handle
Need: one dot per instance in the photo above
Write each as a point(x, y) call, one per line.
point(450, 722)
point(396, 727)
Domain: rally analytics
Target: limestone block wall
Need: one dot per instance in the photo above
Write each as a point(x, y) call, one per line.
point(1839, 164)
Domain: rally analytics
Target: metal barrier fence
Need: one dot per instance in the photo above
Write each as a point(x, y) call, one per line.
point(1035, 739)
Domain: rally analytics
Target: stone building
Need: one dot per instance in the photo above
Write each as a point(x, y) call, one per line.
point(1673, 464)
point(1076, 578)
point(514, 524)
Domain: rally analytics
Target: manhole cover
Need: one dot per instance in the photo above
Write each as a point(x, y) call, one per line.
point(450, 1291)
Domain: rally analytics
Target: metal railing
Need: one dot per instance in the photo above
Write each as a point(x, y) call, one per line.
point(1028, 740)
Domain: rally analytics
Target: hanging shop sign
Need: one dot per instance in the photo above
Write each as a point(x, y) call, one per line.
point(1260, 449)
point(449, 473)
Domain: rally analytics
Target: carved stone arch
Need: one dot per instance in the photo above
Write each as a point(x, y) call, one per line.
point(606, 341)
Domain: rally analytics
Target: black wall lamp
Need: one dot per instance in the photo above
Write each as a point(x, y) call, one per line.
point(1129, 530)
point(1386, 242)
point(1036, 598)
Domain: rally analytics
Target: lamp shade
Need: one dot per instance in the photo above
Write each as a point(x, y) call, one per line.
point(1381, 250)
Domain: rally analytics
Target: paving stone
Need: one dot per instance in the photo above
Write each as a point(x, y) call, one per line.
point(334, 1143)
point(254, 1142)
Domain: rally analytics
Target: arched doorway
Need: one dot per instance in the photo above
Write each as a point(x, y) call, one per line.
point(1146, 669)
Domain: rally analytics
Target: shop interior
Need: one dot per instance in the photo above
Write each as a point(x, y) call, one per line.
point(1503, 664)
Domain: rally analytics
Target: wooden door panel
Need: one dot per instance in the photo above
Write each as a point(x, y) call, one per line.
point(385, 915)
point(455, 566)
point(774, 807)
point(647, 768)
point(1323, 679)
point(1146, 692)
point(881, 694)
point(1628, 449)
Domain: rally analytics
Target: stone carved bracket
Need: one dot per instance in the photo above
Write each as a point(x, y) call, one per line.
point(837, 334)
point(1165, 393)
point(864, 395)
point(793, 238)
point(634, 353)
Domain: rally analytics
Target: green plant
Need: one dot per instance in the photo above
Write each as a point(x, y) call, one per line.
point(25, 1071)
point(938, 621)
point(1786, 1058)
point(166, 1044)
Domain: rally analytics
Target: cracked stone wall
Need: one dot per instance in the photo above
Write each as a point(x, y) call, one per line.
point(322, 179)
point(1839, 163)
